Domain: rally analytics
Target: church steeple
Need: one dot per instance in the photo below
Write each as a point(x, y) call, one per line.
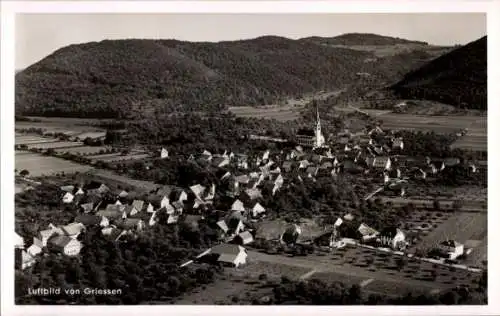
point(320, 140)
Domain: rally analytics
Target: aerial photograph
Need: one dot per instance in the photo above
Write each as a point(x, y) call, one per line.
point(251, 159)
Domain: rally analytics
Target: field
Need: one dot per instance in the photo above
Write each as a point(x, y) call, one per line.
point(284, 113)
point(32, 139)
point(54, 145)
point(83, 150)
point(288, 112)
point(475, 139)
point(117, 157)
point(377, 271)
point(468, 228)
point(39, 165)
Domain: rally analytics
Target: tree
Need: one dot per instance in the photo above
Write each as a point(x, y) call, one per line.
point(24, 173)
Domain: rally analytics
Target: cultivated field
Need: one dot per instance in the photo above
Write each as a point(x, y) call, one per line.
point(117, 157)
point(375, 270)
point(54, 145)
point(39, 165)
point(83, 150)
point(468, 228)
point(475, 139)
point(23, 139)
point(284, 113)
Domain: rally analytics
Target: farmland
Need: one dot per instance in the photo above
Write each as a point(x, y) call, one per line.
point(54, 145)
point(289, 112)
point(285, 113)
point(39, 165)
point(475, 139)
point(83, 150)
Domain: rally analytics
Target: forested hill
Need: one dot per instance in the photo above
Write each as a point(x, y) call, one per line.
point(354, 39)
point(458, 78)
point(115, 78)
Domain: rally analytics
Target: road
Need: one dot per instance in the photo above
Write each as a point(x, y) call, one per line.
point(344, 271)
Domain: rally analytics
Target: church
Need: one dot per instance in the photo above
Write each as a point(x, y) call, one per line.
point(311, 137)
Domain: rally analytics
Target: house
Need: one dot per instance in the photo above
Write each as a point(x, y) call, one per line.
point(18, 241)
point(223, 226)
point(220, 161)
point(198, 191)
point(89, 220)
point(242, 161)
point(238, 206)
point(397, 144)
point(150, 208)
point(451, 162)
point(242, 179)
point(72, 230)
point(165, 201)
point(250, 195)
point(129, 224)
point(256, 209)
point(393, 237)
point(112, 233)
point(287, 166)
point(112, 215)
point(451, 249)
point(230, 254)
point(96, 188)
point(123, 194)
point(312, 171)
point(367, 233)
point(45, 235)
point(243, 238)
point(178, 207)
point(164, 191)
point(68, 198)
point(67, 188)
point(163, 153)
point(35, 248)
point(65, 245)
point(209, 195)
point(130, 210)
point(23, 259)
point(87, 207)
point(178, 195)
point(304, 164)
point(118, 202)
point(379, 162)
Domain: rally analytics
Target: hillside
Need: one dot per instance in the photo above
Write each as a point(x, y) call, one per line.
point(458, 78)
point(354, 39)
point(120, 78)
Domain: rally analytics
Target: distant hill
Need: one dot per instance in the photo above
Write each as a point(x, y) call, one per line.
point(122, 78)
point(457, 78)
point(354, 39)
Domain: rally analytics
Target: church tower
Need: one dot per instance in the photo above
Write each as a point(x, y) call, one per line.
point(319, 139)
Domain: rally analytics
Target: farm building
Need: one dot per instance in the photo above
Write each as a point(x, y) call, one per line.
point(92, 220)
point(244, 238)
point(451, 249)
point(367, 233)
point(23, 259)
point(72, 230)
point(18, 241)
point(392, 237)
point(65, 245)
point(230, 254)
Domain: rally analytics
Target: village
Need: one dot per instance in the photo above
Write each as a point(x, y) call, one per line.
point(246, 227)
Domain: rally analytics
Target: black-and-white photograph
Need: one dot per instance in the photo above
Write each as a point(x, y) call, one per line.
point(251, 159)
